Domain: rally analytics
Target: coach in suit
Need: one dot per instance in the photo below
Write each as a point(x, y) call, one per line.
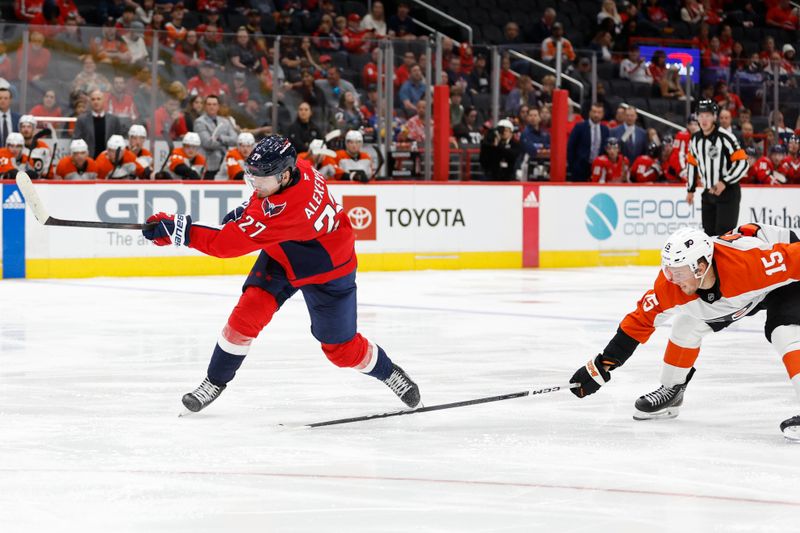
point(96, 125)
point(632, 138)
point(585, 143)
point(216, 136)
point(9, 121)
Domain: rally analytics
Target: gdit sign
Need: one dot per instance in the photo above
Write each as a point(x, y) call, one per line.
point(605, 216)
point(135, 205)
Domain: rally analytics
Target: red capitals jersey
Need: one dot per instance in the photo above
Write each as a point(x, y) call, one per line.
point(606, 171)
point(762, 172)
point(303, 228)
point(790, 167)
point(645, 169)
point(675, 169)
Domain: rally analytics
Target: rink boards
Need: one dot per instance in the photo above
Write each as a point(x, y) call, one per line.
point(399, 226)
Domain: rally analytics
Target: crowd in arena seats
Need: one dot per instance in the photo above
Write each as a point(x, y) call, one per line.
point(217, 75)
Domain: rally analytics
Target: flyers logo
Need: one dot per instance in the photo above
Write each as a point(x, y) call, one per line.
point(271, 209)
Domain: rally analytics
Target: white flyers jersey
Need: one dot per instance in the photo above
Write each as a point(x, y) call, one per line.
point(749, 263)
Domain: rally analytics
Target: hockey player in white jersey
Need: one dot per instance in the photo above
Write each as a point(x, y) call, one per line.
point(708, 283)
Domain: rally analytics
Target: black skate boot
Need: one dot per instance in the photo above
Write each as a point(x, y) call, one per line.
point(203, 395)
point(791, 428)
point(664, 402)
point(402, 385)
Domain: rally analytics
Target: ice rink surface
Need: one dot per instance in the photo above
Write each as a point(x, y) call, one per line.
point(92, 371)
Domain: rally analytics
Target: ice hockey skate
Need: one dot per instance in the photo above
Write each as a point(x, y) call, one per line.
point(204, 394)
point(662, 403)
point(402, 385)
point(791, 428)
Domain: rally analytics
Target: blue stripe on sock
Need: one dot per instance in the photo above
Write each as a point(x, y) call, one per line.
point(223, 366)
point(383, 368)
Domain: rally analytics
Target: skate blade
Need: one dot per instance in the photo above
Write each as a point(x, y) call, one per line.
point(658, 415)
point(792, 433)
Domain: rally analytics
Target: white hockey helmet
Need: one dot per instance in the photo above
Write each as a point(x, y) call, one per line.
point(15, 139)
point(354, 135)
point(77, 146)
point(116, 142)
point(191, 139)
point(686, 247)
point(27, 119)
point(246, 139)
point(137, 130)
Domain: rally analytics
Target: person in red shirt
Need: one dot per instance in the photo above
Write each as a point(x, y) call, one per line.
point(764, 170)
point(611, 167)
point(369, 74)
point(38, 57)
point(120, 101)
point(790, 166)
point(647, 167)
point(356, 40)
point(658, 66)
point(507, 79)
point(48, 108)
point(676, 169)
point(78, 165)
point(211, 31)
point(403, 71)
point(783, 15)
point(206, 83)
point(728, 100)
point(306, 244)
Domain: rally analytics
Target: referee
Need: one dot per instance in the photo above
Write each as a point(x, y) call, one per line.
point(717, 162)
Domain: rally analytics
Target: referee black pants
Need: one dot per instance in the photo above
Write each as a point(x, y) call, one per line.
point(721, 213)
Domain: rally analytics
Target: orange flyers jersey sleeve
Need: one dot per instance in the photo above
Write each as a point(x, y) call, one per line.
point(66, 170)
point(234, 163)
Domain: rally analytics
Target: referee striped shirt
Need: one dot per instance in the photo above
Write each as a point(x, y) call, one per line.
point(714, 157)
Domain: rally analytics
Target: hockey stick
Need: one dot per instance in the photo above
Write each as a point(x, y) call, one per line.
point(442, 406)
point(40, 213)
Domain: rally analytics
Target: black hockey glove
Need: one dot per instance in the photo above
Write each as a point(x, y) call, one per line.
point(236, 214)
point(591, 376)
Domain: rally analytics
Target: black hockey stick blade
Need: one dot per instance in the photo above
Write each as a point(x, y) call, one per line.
point(40, 213)
point(442, 406)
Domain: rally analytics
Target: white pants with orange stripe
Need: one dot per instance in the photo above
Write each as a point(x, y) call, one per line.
point(786, 340)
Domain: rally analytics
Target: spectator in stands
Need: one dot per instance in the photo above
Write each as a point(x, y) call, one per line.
point(726, 124)
point(348, 114)
point(544, 27)
point(356, 40)
point(340, 25)
point(239, 92)
point(716, 63)
point(608, 12)
point(601, 45)
point(511, 34)
point(134, 41)
point(748, 141)
point(788, 62)
point(778, 126)
point(77, 165)
point(38, 57)
point(97, 126)
point(170, 120)
point(456, 105)
point(656, 16)
point(403, 71)
point(412, 91)
point(634, 67)
point(88, 79)
point(287, 24)
point(534, 141)
point(307, 91)
point(619, 117)
point(333, 87)
point(128, 16)
point(523, 94)
point(727, 100)
point(369, 72)
point(692, 12)
point(48, 108)
point(303, 130)
point(207, 83)
point(110, 9)
point(632, 137)
point(670, 86)
point(143, 12)
point(120, 101)
point(244, 54)
point(400, 25)
point(549, 45)
point(658, 67)
point(507, 78)
point(109, 47)
point(783, 15)
point(478, 81)
point(190, 54)
point(455, 76)
point(499, 152)
point(414, 129)
point(211, 32)
point(217, 134)
point(325, 39)
point(375, 20)
point(468, 131)
point(585, 143)
point(193, 110)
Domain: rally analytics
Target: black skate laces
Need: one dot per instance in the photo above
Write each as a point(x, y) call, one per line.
point(398, 383)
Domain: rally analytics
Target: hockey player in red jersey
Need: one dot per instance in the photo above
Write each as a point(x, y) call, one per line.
point(647, 167)
point(611, 167)
point(675, 170)
point(790, 166)
point(707, 283)
point(764, 170)
point(307, 245)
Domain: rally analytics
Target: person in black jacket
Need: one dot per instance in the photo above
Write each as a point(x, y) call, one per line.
point(499, 152)
point(303, 130)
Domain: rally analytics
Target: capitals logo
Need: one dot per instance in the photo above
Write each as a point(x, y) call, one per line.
point(271, 209)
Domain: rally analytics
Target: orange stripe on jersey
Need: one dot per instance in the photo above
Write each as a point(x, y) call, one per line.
point(681, 357)
point(738, 155)
point(792, 362)
point(742, 271)
point(690, 159)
